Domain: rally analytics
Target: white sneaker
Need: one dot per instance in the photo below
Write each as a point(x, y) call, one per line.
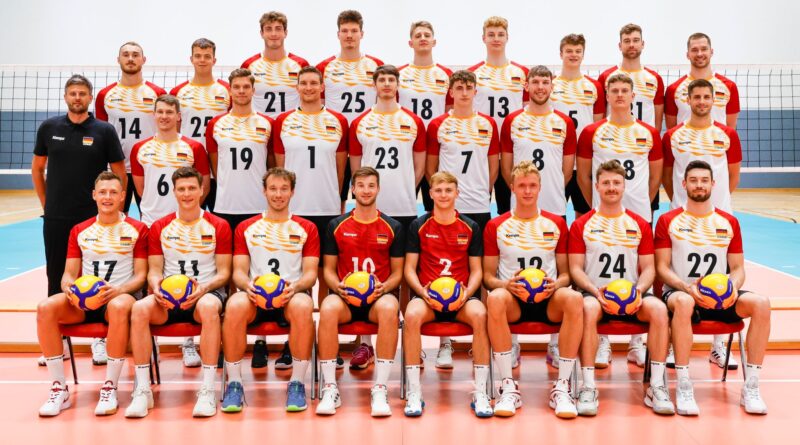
point(191, 359)
point(552, 355)
point(206, 405)
point(414, 404)
point(636, 351)
point(107, 404)
point(380, 401)
point(329, 400)
point(684, 398)
point(510, 399)
point(562, 402)
point(57, 401)
point(670, 357)
point(481, 404)
point(444, 358)
point(141, 401)
point(43, 362)
point(515, 348)
point(587, 402)
point(657, 397)
point(717, 356)
point(99, 354)
point(603, 356)
point(751, 398)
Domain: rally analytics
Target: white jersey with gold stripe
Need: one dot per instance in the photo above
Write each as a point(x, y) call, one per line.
point(276, 83)
point(348, 84)
point(199, 104)
point(424, 90)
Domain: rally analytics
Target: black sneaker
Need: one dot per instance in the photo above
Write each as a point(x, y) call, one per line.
point(285, 360)
point(339, 362)
point(259, 354)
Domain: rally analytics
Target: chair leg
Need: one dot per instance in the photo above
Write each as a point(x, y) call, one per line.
point(742, 356)
point(402, 364)
point(155, 360)
point(727, 357)
point(492, 386)
point(647, 370)
point(222, 382)
point(315, 363)
point(72, 360)
point(574, 380)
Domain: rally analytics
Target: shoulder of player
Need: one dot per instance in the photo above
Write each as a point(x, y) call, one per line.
point(420, 221)
point(244, 225)
point(359, 118)
point(674, 85)
point(191, 142)
point(522, 67)
point(469, 223)
point(652, 71)
point(224, 84)
point(579, 223)
point(497, 221)
point(83, 225)
point(137, 146)
point(393, 224)
point(177, 90)
point(377, 61)
point(413, 116)
point(105, 90)
point(264, 117)
point(728, 82)
point(476, 66)
point(306, 224)
point(667, 217)
point(647, 126)
point(668, 134)
point(591, 128)
point(593, 81)
point(138, 225)
point(300, 61)
point(728, 130)
point(248, 62)
point(636, 217)
point(339, 116)
point(514, 114)
point(212, 123)
point(605, 74)
point(215, 220)
point(479, 115)
point(557, 219)
point(156, 89)
point(321, 66)
point(732, 219)
point(164, 221)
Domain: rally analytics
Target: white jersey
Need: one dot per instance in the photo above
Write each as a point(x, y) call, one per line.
point(501, 89)
point(726, 98)
point(276, 246)
point(648, 88)
point(580, 99)
point(349, 88)
point(424, 90)
point(276, 83)
point(199, 104)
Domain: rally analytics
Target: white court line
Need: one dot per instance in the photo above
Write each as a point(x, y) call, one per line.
point(772, 269)
point(21, 273)
point(21, 211)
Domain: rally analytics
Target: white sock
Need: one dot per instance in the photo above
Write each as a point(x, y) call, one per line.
point(55, 366)
point(681, 371)
point(657, 370)
point(113, 369)
point(515, 339)
point(565, 366)
point(299, 368)
point(444, 341)
point(635, 338)
point(588, 376)
point(412, 374)
point(366, 339)
point(382, 369)
point(553, 339)
point(328, 371)
point(752, 370)
point(142, 376)
point(504, 361)
point(234, 371)
point(481, 377)
point(209, 374)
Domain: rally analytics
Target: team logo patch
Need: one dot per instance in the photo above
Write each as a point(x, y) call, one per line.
point(382, 238)
point(719, 144)
point(462, 239)
point(556, 132)
point(722, 233)
point(295, 239)
point(219, 99)
point(331, 129)
point(631, 234)
point(548, 236)
point(147, 100)
point(207, 239)
point(641, 141)
point(88, 141)
point(261, 131)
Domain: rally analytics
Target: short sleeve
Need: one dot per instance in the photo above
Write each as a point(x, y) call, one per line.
point(646, 243)
point(224, 241)
point(476, 243)
point(662, 239)
point(490, 247)
point(311, 246)
point(412, 236)
point(140, 248)
point(329, 245)
point(73, 248)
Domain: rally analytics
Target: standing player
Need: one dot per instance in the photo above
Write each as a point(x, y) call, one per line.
point(128, 106)
point(195, 243)
point(726, 94)
point(280, 243)
point(530, 237)
point(110, 246)
point(275, 69)
point(363, 240)
point(611, 242)
point(691, 242)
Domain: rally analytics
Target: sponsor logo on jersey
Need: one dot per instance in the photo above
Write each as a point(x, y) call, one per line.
point(685, 229)
point(631, 234)
point(337, 73)
point(58, 138)
point(607, 139)
point(719, 144)
point(548, 236)
point(462, 239)
point(219, 99)
point(259, 74)
point(556, 132)
point(295, 239)
point(512, 235)
point(452, 132)
point(261, 131)
point(91, 240)
point(722, 233)
point(147, 100)
point(172, 238)
point(409, 80)
point(88, 141)
point(429, 235)
point(382, 238)
point(684, 142)
point(260, 235)
point(226, 129)
point(350, 235)
point(524, 128)
point(596, 231)
point(641, 141)
point(114, 99)
point(484, 78)
point(370, 128)
point(206, 239)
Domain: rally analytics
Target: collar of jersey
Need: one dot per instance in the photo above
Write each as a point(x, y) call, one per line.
point(202, 84)
point(438, 221)
point(189, 223)
point(231, 113)
point(577, 79)
point(608, 121)
point(311, 113)
point(158, 139)
point(529, 113)
point(353, 215)
point(350, 60)
point(422, 67)
point(121, 219)
point(609, 216)
point(699, 216)
point(485, 63)
point(538, 214)
point(686, 124)
point(265, 218)
point(130, 87)
point(474, 114)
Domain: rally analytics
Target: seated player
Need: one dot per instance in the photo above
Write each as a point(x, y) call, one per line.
point(286, 245)
point(445, 243)
point(194, 243)
point(530, 237)
point(605, 244)
point(691, 242)
point(110, 246)
point(362, 240)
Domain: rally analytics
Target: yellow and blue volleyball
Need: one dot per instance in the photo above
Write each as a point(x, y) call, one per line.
point(84, 292)
point(269, 291)
point(716, 291)
point(359, 289)
point(622, 298)
point(176, 289)
point(533, 280)
point(446, 295)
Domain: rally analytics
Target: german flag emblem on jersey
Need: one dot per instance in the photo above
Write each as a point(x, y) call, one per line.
point(295, 239)
point(719, 144)
point(462, 239)
point(588, 93)
point(183, 156)
point(722, 233)
point(641, 141)
point(719, 94)
point(88, 141)
point(370, 73)
point(548, 236)
point(207, 239)
point(125, 240)
point(147, 100)
point(293, 75)
point(556, 132)
point(261, 131)
point(331, 129)
point(405, 128)
point(219, 99)
point(516, 79)
point(631, 234)
point(483, 132)
point(649, 85)
point(440, 82)
point(382, 238)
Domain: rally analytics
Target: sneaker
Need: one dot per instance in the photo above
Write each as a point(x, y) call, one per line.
point(107, 404)
point(552, 354)
point(296, 397)
point(233, 398)
point(515, 348)
point(339, 362)
point(510, 399)
point(603, 356)
point(636, 351)
point(717, 356)
point(191, 359)
point(285, 360)
point(206, 405)
point(444, 358)
point(141, 401)
point(587, 402)
point(380, 401)
point(751, 398)
point(57, 401)
point(670, 357)
point(657, 397)
point(259, 359)
point(99, 354)
point(43, 362)
point(684, 398)
point(329, 400)
point(414, 404)
point(481, 404)
point(562, 402)
point(362, 357)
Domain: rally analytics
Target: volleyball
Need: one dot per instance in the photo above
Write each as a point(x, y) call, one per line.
point(359, 289)
point(84, 292)
point(716, 291)
point(622, 298)
point(175, 289)
point(446, 295)
point(534, 281)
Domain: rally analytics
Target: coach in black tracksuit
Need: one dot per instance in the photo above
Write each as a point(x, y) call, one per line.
point(74, 148)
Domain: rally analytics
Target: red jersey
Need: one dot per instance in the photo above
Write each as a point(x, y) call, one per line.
point(276, 246)
point(444, 249)
point(366, 246)
point(108, 251)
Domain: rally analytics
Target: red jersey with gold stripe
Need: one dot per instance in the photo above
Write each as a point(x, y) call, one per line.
point(717, 144)
point(276, 246)
point(700, 243)
point(348, 84)
point(580, 99)
point(199, 104)
point(648, 89)
point(108, 250)
point(520, 243)
point(309, 142)
point(276, 83)
point(190, 248)
point(366, 246)
point(726, 98)
point(463, 146)
point(634, 146)
point(387, 142)
point(241, 144)
point(444, 249)
point(156, 160)
point(612, 245)
point(501, 89)
point(130, 111)
point(424, 90)
point(544, 139)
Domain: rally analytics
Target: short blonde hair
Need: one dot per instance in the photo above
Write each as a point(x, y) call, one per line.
point(443, 177)
point(525, 168)
point(495, 21)
point(420, 24)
